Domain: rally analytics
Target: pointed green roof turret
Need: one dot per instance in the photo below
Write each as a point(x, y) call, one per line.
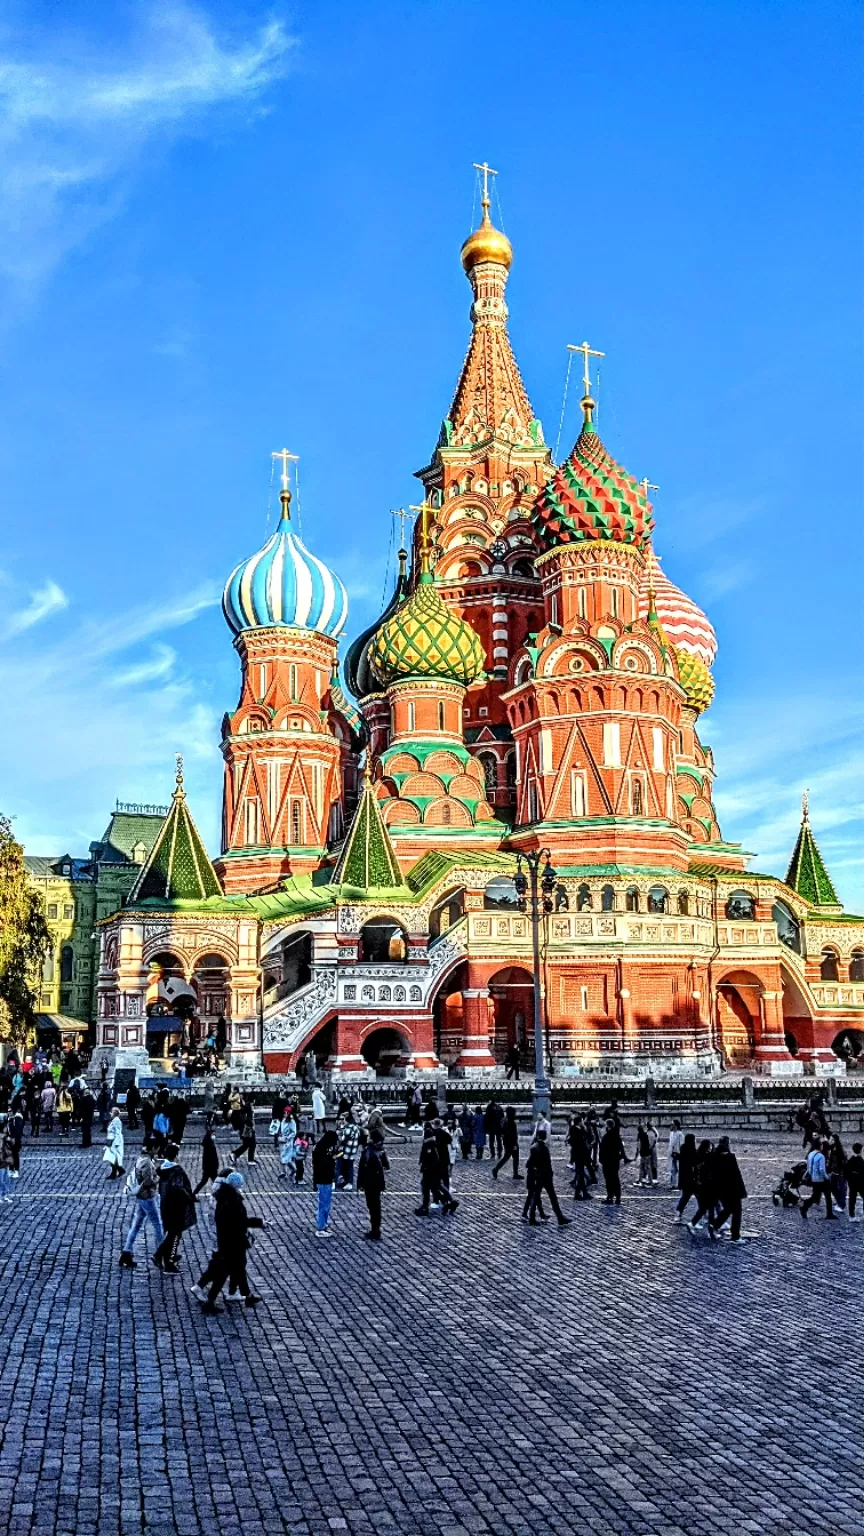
point(178, 868)
point(367, 859)
point(807, 873)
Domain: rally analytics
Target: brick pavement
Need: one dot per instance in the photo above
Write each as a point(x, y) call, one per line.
point(469, 1375)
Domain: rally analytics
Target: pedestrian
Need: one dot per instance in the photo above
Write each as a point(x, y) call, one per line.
point(103, 1105)
point(729, 1189)
point(512, 1062)
point(133, 1105)
point(579, 1158)
point(323, 1179)
point(209, 1162)
point(348, 1140)
point(7, 1160)
point(646, 1145)
point(16, 1134)
point(286, 1136)
point(209, 1100)
point(113, 1153)
point(434, 1192)
point(232, 1248)
point(148, 1120)
point(466, 1132)
point(817, 1173)
point(145, 1185)
point(611, 1155)
point(414, 1105)
point(676, 1142)
point(86, 1111)
point(835, 1162)
point(248, 1139)
point(301, 1149)
point(176, 1207)
point(706, 1185)
point(592, 1133)
point(478, 1132)
point(492, 1122)
point(509, 1144)
point(373, 1165)
point(178, 1114)
point(855, 1179)
point(34, 1107)
point(686, 1177)
point(64, 1110)
point(48, 1100)
point(319, 1111)
point(540, 1180)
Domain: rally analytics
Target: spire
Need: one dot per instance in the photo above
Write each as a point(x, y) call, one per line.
point(367, 860)
point(490, 398)
point(807, 874)
point(178, 868)
point(588, 404)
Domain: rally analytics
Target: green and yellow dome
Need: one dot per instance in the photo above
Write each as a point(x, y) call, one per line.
point(695, 679)
point(424, 639)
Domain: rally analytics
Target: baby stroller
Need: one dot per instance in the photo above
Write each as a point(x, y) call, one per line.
point(788, 1191)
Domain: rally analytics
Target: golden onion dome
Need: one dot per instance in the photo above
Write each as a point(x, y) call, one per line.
point(424, 639)
point(695, 679)
point(486, 244)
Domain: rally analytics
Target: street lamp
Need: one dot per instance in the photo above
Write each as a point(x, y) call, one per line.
point(534, 892)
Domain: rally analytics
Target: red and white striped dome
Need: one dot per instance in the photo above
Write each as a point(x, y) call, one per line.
point(686, 625)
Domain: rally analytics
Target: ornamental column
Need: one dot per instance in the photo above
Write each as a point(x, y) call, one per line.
point(475, 1056)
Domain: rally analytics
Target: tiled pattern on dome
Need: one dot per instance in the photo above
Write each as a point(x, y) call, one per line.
point(424, 639)
point(590, 496)
point(695, 679)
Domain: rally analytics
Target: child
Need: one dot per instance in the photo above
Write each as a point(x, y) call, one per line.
point(7, 1160)
point(301, 1148)
point(855, 1178)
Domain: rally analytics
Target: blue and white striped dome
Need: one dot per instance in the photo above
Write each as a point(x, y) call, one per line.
point(284, 584)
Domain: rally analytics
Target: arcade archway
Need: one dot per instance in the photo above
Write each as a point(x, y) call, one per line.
point(512, 992)
point(738, 1012)
point(384, 1050)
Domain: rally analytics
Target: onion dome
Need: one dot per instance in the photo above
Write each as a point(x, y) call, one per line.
point(694, 677)
point(358, 674)
point(486, 244)
point(424, 639)
point(590, 496)
point(686, 625)
point(285, 584)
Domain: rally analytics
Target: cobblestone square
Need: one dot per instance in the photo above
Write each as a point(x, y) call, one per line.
point(468, 1375)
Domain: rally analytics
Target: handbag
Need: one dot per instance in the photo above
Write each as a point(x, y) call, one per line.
point(274, 1127)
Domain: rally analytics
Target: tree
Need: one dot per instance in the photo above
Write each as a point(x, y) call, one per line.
point(24, 940)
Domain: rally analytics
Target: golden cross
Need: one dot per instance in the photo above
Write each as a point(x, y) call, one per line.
point(487, 172)
point(647, 486)
point(587, 352)
point(805, 805)
point(402, 515)
point(423, 512)
point(286, 458)
point(179, 773)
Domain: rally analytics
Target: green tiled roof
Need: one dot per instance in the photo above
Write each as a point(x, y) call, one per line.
point(125, 831)
point(807, 874)
point(178, 867)
point(367, 860)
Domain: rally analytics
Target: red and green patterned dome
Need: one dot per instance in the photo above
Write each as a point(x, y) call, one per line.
point(590, 496)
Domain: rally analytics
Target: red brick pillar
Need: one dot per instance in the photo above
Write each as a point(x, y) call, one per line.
point(771, 1041)
point(475, 1054)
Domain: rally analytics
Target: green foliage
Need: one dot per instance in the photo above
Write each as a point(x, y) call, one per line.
point(24, 940)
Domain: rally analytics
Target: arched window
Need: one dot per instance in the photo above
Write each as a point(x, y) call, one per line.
point(411, 715)
point(584, 900)
point(658, 899)
point(446, 815)
point(490, 773)
point(683, 904)
point(741, 907)
point(296, 822)
point(828, 970)
point(440, 715)
point(788, 929)
point(631, 900)
point(856, 965)
point(48, 966)
point(607, 899)
point(523, 568)
point(500, 895)
point(67, 962)
point(582, 603)
point(292, 681)
point(636, 797)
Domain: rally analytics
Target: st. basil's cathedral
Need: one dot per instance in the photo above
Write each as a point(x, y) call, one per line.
point(534, 685)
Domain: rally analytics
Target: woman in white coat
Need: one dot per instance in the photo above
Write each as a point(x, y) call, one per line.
point(113, 1153)
point(286, 1137)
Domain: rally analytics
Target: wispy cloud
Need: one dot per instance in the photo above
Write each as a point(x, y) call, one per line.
point(46, 600)
point(719, 580)
point(73, 124)
point(159, 666)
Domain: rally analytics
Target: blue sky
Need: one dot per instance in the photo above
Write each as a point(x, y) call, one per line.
point(225, 228)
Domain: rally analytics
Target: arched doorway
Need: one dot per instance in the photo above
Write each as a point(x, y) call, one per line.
point(849, 1046)
point(171, 1003)
point(512, 992)
point(738, 1013)
point(212, 980)
point(385, 1050)
point(383, 940)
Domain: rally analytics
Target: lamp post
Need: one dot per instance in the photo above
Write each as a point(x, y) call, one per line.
point(534, 891)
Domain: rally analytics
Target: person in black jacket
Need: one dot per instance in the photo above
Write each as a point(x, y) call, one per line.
point(133, 1104)
point(510, 1144)
point(176, 1207)
point(86, 1111)
point(232, 1244)
point(611, 1155)
point(687, 1176)
point(434, 1190)
point(323, 1178)
point(373, 1165)
point(209, 1162)
point(540, 1179)
point(493, 1124)
point(730, 1190)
